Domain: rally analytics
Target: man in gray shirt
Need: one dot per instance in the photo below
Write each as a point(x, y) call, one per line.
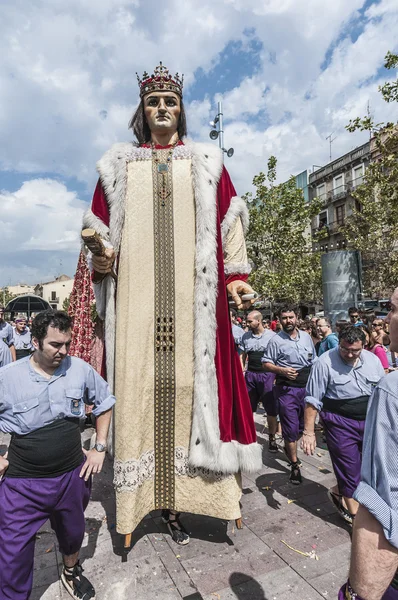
point(47, 474)
point(260, 384)
point(374, 556)
point(289, 355)
point(5, 354)
point(22, 338)
point(339, 387)
point(7, 333)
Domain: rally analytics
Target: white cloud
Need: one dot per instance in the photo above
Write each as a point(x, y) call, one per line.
point(68, 85)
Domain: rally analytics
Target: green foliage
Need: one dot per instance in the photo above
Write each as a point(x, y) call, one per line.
point(65, 304)
point(279, 240)
point(373, 226)
point(6, 296)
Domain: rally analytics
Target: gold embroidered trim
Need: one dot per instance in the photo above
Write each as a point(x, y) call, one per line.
point(164, 346)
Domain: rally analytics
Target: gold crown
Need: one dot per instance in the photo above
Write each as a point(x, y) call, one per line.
point(160, 81)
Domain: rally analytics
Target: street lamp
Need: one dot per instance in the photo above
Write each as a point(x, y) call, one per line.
point(219, 133)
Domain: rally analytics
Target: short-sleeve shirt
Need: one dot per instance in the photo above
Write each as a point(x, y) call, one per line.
point(255, 346)
point(329, 342)
point(285, 351)
point(22, 341)
point(29, 400)
point(5, 354)
point(6, 333)
point(332, 377)
point(378, 489)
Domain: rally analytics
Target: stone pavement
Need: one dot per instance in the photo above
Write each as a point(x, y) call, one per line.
point(220, 563)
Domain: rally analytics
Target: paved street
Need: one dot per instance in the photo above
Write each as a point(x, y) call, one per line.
point(220, 563)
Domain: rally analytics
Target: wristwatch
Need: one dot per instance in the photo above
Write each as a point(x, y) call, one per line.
point(100, 447)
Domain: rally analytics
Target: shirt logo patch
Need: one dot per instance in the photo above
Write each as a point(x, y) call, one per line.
point(75, 407)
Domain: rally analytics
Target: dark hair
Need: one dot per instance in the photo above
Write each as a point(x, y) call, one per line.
point(352, 309)
point(49, 318)
point(233, 312)
point(352, 334)
point(140, 127)
point(287, 308)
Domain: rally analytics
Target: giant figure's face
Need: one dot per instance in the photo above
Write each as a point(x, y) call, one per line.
point(162, 111)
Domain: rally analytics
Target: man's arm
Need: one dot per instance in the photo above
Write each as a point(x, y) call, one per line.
point(13, 352)
point(95, 459)
point(371, 555)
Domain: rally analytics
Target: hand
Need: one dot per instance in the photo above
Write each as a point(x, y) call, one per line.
point(104, 264)
point(290, 373)
point(3, 465)
point(93, 464)
point(308, 443)
point(238, 288)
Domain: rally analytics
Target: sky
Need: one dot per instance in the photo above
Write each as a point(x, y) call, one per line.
point(289, 74)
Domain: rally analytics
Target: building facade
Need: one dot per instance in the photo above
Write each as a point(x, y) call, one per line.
point(334, 184)
point(55, 292)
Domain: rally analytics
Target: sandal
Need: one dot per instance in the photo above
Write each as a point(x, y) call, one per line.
point(76, 584)
point(336, 499)
point(272, 445)
point(289, 462)
point(176, 529)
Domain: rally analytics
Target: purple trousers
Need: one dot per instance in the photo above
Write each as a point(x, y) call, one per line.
point(344, 438)
point(390, 594)
point(260, 388)
point(291, 411)
point(25, 505)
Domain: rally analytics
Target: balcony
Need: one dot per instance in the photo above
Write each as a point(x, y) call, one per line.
point(54, 300)
point(357, 182)
point(338, 193)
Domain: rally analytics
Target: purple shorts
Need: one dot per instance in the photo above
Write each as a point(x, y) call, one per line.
point(260, 388)
point(25, 505)
point(291, 411)
point(344, 438)
point(389, 594)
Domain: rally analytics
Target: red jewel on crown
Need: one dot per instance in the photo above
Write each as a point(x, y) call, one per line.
point(160, 80)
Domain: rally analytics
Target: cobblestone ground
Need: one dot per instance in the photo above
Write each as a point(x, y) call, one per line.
point(264, 561)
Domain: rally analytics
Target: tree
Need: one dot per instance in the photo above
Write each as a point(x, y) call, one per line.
point(6, 296)
point(279, 240)
point(65, 304)
point(373, 227)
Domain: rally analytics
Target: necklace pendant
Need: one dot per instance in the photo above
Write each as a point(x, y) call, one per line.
point(163, 168)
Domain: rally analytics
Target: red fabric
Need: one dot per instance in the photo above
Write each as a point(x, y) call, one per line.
point(99, 205)
point(81, 300)
point(235, 413)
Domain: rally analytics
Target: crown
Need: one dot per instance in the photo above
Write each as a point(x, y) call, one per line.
point(160, 81)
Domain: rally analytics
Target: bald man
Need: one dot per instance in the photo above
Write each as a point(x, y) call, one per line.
point(259, 383)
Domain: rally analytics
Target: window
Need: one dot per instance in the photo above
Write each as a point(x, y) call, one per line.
point(323, 219)
point(53, 296)
point(357, 175)
point(340, 214)
point(321, 191)
point(338, 185)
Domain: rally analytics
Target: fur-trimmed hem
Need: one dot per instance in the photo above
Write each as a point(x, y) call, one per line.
point(230, 457)
point(232, 268)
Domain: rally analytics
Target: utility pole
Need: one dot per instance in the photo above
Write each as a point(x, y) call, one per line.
point(330, 145)
point(217, 131)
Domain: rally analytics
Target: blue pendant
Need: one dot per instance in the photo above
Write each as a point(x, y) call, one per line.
point(162, 167)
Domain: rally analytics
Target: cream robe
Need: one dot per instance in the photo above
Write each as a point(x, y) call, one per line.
point(196, 490)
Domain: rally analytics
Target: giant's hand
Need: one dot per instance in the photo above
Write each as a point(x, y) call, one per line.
point(238, 288)
point(104, 264)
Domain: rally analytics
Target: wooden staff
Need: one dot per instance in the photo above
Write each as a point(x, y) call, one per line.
point(96, 246)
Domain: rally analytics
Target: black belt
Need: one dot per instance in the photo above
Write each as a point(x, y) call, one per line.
point(353, 408)
point(254, 360)
point(21, 353)
point(299, 382)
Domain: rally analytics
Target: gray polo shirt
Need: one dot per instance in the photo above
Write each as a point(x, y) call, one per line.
point(6, 333)
point(332, 377)
point(29, 400)
point(285, 351)
point(378, 489)
point(22, 341)
point(5, 354)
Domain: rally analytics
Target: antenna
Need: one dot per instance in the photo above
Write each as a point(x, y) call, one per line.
point(331, 140)
point(370, 116)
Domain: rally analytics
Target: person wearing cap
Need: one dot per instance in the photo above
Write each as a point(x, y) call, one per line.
point(22, 338)
point(7, 334)
point(47, 473)
point(5, 354)
point(339, 388)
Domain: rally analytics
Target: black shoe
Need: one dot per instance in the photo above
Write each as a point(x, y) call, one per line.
point(76, 584)
point(289, 462)
point(175, 527)
point(272, 445)
point(295, 474)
